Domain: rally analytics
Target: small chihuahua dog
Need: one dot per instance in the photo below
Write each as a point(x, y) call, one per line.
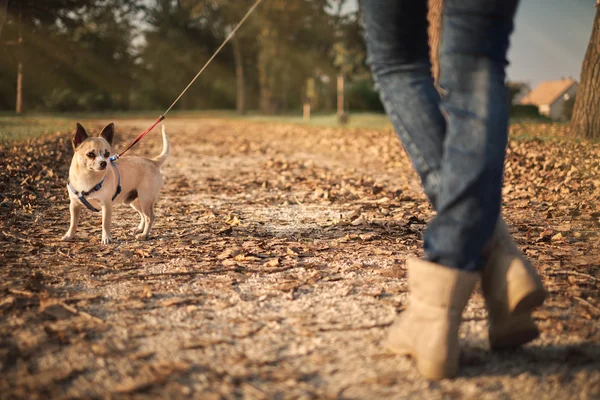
point(97, 182)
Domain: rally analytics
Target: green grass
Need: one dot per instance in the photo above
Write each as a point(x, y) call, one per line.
point(17, 128)
point(358, 120)
point(22, 127)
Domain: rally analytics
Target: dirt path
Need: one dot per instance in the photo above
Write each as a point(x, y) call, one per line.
point(274, 268)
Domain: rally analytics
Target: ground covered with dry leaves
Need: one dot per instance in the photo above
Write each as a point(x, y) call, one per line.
point(274, 268)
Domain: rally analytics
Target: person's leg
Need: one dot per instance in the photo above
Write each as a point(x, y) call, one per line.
point(473, 59)
point(475, 41)
point(467, 232)
point(398, 54)
point(397, 45)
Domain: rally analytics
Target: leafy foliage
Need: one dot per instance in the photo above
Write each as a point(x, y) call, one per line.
point(111, 54)
point(76, 54)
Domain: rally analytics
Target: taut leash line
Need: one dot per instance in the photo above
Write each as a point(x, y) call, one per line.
point(137, 139)
point(215, 53)
point(163, 116)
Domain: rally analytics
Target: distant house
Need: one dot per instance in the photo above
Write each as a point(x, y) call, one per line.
point(550, 97)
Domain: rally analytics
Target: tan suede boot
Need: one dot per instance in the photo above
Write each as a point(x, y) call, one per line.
point(428, 329)
point(512, 289)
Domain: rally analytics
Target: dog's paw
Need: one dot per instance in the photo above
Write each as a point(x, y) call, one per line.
point(106, 239)
point(67, 237)
point(138, 230)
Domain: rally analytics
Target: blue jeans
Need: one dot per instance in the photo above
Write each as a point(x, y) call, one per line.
point(456, 141)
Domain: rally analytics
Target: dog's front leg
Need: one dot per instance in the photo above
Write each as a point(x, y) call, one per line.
point(75, 210)
point(106, 217)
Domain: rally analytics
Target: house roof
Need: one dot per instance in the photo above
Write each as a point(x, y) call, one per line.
point(547, 92)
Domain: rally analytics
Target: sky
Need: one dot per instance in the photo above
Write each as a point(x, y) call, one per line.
point(549, 41)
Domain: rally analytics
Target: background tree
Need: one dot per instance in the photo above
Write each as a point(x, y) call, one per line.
point(126, 54)
point(586, 111)
point(227, 14)
point(516, 89)
point(434, 16)
point(295, 41)
point(3, 14)
point(180, 39)
point(74, 54)
point(349, 58)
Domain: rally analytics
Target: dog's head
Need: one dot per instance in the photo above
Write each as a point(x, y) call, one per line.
point(93, 153)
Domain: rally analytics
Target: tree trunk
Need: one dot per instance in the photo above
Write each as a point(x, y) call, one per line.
point(265, 70)
point(240, 97)
point(328, 97)
point(266, 95)
point(585, 122)
point(284, 90)
point(19, 100)
point(434, 16)
point(340, 96)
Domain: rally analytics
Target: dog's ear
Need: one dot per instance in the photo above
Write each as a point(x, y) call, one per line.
point(108, 133)
point(80, 136)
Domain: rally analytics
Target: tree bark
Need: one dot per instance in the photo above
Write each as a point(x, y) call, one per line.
point(586, 112)
point(19, 100)
point(328, 97)
point(340, 96)
point(240, 97)
point(265, 54)
point(434, 16)
point(284, 90)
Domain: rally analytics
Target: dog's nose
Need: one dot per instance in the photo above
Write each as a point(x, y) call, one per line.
point(103, 164)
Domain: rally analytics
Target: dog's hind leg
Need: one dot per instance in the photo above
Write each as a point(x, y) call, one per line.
point(147, 206)
point(137, 207)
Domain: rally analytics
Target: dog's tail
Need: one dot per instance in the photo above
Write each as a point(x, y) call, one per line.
point(160, 159)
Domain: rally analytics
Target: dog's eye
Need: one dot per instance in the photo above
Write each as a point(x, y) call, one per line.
point(106, 154)
point(91, 154)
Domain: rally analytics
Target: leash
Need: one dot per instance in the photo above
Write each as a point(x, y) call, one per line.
point(163, 115)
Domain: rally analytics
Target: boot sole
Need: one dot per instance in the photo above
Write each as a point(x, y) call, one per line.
point(400, 349)
point(430, 370)
point(435, 371)
point(516, 331)
point(514, 339)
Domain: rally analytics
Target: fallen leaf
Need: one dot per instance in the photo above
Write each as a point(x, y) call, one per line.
point(272, 263)
point(146, 293)
point(58, 311)
point(557, 237)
